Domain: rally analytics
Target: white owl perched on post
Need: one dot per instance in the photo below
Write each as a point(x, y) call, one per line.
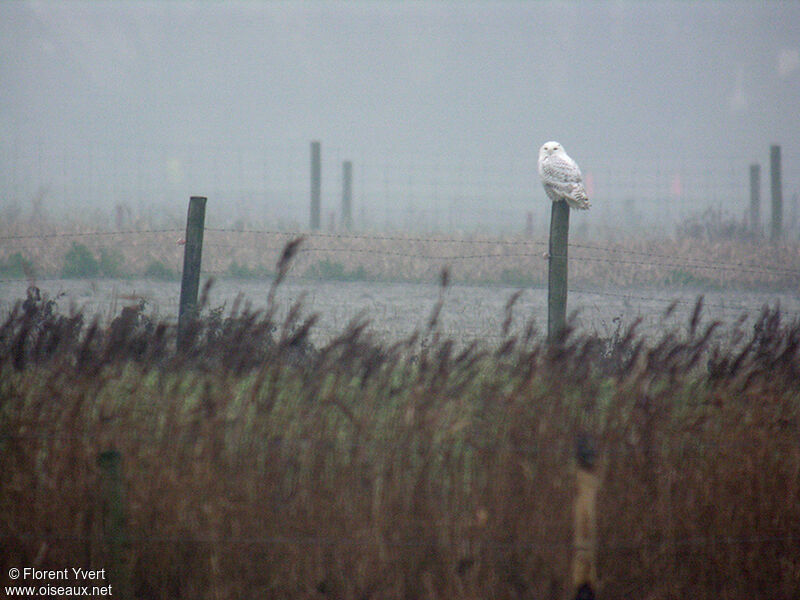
point(561, 176)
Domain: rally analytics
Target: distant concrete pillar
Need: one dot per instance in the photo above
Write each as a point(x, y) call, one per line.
point(776, 192)
point(347, 195)
point(316, 184)
point(755, 199)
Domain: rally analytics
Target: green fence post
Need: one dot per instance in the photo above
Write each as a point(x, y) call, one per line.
point(114, 526)
point(557, 271)
point(192, 256)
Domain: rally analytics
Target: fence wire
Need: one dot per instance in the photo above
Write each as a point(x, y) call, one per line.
point(424, 191)
point(680, 261)
point(438, 250)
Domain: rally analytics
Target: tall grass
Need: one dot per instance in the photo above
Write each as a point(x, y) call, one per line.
point(257, 465)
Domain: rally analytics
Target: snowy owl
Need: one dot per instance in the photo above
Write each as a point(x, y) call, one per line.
point(561, 176)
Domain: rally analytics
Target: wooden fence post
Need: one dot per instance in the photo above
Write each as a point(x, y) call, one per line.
point(584, 552)
point(776, 192)
point(114, 523)
point(755, 199)
point(557, 271)
point(316, 184)
point(192, 256)
point(347, 195)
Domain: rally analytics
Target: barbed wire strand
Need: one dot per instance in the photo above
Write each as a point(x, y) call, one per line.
point(498, 241)
point(699, 263)
point(85, 234)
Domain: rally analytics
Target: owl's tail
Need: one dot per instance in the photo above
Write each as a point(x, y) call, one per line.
point(577, 197)
point(579, 202)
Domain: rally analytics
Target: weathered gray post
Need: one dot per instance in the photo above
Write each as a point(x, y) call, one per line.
point(192, 255)
point(776, 192)
point(316, 184)
point(114, 525)
point(585, 538)
point(347, 195)
point(755, 199)
point(557, 271)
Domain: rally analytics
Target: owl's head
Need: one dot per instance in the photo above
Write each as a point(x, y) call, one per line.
point(549, 148)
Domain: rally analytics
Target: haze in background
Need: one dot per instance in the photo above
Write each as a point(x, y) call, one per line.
point(440, 106)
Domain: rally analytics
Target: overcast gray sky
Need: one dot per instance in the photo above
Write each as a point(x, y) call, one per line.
point(608, 80)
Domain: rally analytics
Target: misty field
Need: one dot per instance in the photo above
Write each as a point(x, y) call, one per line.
point(255, 464)
point(382, 391)
point(702, 254)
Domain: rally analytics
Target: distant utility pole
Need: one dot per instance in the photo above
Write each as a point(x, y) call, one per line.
point(776, 192)
point(347, 195)
point(755, 199)
point(316, 185)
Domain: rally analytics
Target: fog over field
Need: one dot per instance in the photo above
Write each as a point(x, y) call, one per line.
point(428, 396)
point(440, 106)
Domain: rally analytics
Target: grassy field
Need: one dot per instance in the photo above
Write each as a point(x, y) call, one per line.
point(689, 258)
point(256, 465)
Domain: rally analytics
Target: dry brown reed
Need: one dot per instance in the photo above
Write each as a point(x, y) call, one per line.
point(255, 465)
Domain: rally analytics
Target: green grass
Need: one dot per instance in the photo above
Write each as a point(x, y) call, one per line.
point(16, 266)
point(328, 269)
point(159, 271)
point(79, 262)
point(112, 263)
point(242, 271)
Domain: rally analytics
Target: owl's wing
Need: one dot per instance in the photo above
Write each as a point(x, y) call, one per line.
point(562, 180)
point(560, 170)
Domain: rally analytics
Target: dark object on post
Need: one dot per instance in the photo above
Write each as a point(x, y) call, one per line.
point(557, 271)
point(192, 256)
point(776, 191)
point(316, 184)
